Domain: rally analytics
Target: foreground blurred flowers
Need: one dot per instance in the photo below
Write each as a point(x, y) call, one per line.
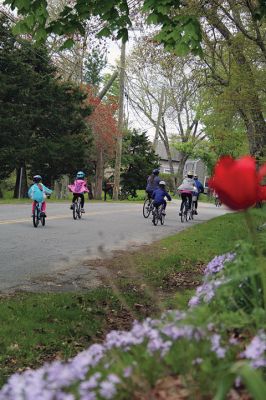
point(237, 182)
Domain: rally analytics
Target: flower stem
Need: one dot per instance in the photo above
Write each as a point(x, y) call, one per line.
point(258, 252)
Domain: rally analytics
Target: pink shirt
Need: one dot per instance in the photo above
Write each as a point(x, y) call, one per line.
point(79, 186)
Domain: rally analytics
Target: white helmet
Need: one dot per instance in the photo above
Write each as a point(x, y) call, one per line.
point(162, 183)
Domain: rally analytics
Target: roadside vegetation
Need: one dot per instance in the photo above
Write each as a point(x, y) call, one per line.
point(43, 327)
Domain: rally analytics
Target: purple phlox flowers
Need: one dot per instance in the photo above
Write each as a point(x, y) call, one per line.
point(218, 263)
point(255, 351)
point(108, 387)
point(216, 347)
point(207, 290)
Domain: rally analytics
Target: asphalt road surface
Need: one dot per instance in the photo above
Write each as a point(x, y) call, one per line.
point(29, 254)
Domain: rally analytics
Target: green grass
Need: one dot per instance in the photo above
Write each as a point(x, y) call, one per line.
point(39, 327)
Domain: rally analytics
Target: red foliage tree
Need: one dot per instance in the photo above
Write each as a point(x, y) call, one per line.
point(104, 128)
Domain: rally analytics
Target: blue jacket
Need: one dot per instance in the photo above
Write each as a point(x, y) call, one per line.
point(159, 194)
point(37, 192)
point(199, 186)
point(152, 185)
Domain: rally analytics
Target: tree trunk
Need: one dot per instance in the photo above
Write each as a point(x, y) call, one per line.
point(99, 175)
point(120, 123)
point(181, 165)
point(21, 186)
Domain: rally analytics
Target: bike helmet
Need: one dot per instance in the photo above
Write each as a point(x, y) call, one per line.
point(195, 176)
point(156, 172)
point(37, 178)
point(162, 183)
point(80, 174)
point(190, 174)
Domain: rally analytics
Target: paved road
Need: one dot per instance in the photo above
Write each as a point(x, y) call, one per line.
point(27, 253)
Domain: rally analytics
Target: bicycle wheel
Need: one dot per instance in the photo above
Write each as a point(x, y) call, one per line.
point(162, 216)
point(36, 216)
point(182, 216)
point(146, 208)
point(79, 210)
point(155, 217)
point(191, 214)
point(74, 208)
point(42, 218)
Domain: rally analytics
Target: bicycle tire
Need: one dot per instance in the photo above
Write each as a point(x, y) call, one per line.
point(146, 208)
point(162, 216)
point(42, 218)
point(79, 214)
point(191, 214)
point(36, 216)
point(155, 217)
point(74, 205)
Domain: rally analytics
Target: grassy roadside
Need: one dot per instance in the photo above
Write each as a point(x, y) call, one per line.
point(41, 327)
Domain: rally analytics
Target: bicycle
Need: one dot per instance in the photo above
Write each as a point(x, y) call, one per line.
point(76, 208)
point(147, 207)
point(38, 216)
point(217, 202)
point(187, 213)
point(158, 214)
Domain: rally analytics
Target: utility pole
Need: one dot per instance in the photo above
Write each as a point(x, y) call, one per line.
point(159, 117)
point(120, 122)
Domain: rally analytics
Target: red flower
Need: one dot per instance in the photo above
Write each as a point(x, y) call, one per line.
point(237, 182)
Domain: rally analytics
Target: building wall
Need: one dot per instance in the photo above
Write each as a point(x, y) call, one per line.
point(164, 166)
point(197, 167)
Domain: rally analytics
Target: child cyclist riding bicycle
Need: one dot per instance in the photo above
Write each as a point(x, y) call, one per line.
point(159, 194)
point(37, 192)
point(78, 188)
point(186, 190)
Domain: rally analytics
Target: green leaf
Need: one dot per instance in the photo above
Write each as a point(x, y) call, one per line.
point(20, 28)
point(123, 34)
point(67, 44)
point(30, 21)
point(40, 35)
point(152, 18)
point(253, 380)
point(104, 32)
point(224, 386)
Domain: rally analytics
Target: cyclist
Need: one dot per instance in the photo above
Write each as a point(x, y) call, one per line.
point(37, 192)
point(200, 189)
point(159, 194)
point(78, 188)
point(186, 190)
point(152, 182)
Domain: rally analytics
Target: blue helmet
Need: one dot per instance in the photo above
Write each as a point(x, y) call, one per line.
point(156, 171)
point(37, 178)
point(80, 174)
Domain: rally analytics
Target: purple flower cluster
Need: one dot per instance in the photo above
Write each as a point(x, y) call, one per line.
point(207, 290)
point(255, 352)
point(88, 376)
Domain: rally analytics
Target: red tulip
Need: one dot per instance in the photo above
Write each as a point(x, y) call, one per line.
point(238, 183)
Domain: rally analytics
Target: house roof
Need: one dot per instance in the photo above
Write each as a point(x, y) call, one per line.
point(160, 150)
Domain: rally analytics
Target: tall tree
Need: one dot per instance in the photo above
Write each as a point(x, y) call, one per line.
point(41, 119)
point(138, 160)
point(153, 71)
point(104, 128)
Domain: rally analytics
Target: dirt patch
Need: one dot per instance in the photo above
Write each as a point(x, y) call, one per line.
point(110, 272)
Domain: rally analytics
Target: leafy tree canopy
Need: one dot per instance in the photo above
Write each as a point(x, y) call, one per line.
point(42, 119)
point(180, 28)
